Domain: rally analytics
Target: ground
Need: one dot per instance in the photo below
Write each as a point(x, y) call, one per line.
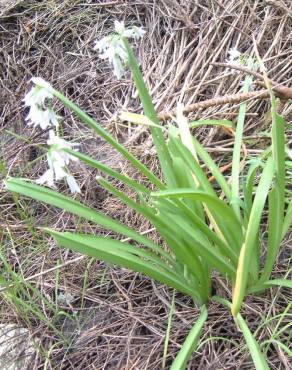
point(86, 314)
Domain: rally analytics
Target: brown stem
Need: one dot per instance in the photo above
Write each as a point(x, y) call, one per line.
point(283, 92)
point(235, 98)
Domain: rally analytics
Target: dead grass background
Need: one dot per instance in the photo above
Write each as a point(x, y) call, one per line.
point(119, 317)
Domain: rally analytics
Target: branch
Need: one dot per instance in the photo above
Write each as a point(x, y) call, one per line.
point(235, 98)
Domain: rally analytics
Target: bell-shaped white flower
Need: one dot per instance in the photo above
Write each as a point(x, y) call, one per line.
point(234, 55)
point(57, 145)
point(37, 96)
point(138, 32)
point(35, 99)
point(119, 27)
point(47, 178)
point(112, 47)
point(134, 32)
point(43, 118)
point(235, 58)
point(74, 188)
point(40, 82)
point(58, 160)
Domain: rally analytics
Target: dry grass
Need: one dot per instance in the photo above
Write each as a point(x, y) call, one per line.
point(118, 318)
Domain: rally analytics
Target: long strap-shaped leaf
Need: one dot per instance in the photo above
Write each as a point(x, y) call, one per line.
point(227, 222)
point(106, 136)
point(258, 357)
point(149, 110)
point(235, 200)
point(243, 269)
point(201, 182)
point(224, 248)
point(287, 220)
point(179, 247)
point(206, 250)
point(61, 201)
point(184, 242)
point(205, 156)
point(183, 152)
point(176, 244)
point(249, 186)
point(185, 255)
point(285, 283)
point(277, 196)
point(114, 251)
point(190, 343)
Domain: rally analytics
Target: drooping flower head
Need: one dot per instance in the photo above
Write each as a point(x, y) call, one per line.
point(112, 48)
point(233, 56)
point(36, 99)
point(58, 161)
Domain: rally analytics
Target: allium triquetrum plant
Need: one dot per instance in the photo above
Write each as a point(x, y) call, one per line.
point(206, 228)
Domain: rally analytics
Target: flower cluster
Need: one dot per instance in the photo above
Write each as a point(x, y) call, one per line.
point(35, 99)
point(58, 160)
point(42, 115)
point(112, 47)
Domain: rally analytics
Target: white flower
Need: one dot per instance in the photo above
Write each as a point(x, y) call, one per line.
point(44, 118)
point(57, 145)
point(35, 99)
point(37, 96)
point(234, 55)
point(72, 184)
point(119, 27)
point(58, 160)
point(53, 117)
point(42, 83)
point(118, 67)
point(112, 47)
point(138, 32)
point(134, 32)
point(233, 58)
point(47, 178)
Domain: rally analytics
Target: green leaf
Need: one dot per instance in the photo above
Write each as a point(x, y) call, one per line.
point(279, 344)
point(277, 196)
point(251, 234)
point(191, 342)
point(237, 151)
point(195, 247)
point(249, 186)
point(125, 255)
point(207, 159)
point(199, 224)
point(61, 201)
point(258, 357)
point(287, 220)
point(183, 152)
point(175, 241)
point(149, 111)
point(212, 122)
point(286, 283)
point(223, 214)
point(106, 136)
